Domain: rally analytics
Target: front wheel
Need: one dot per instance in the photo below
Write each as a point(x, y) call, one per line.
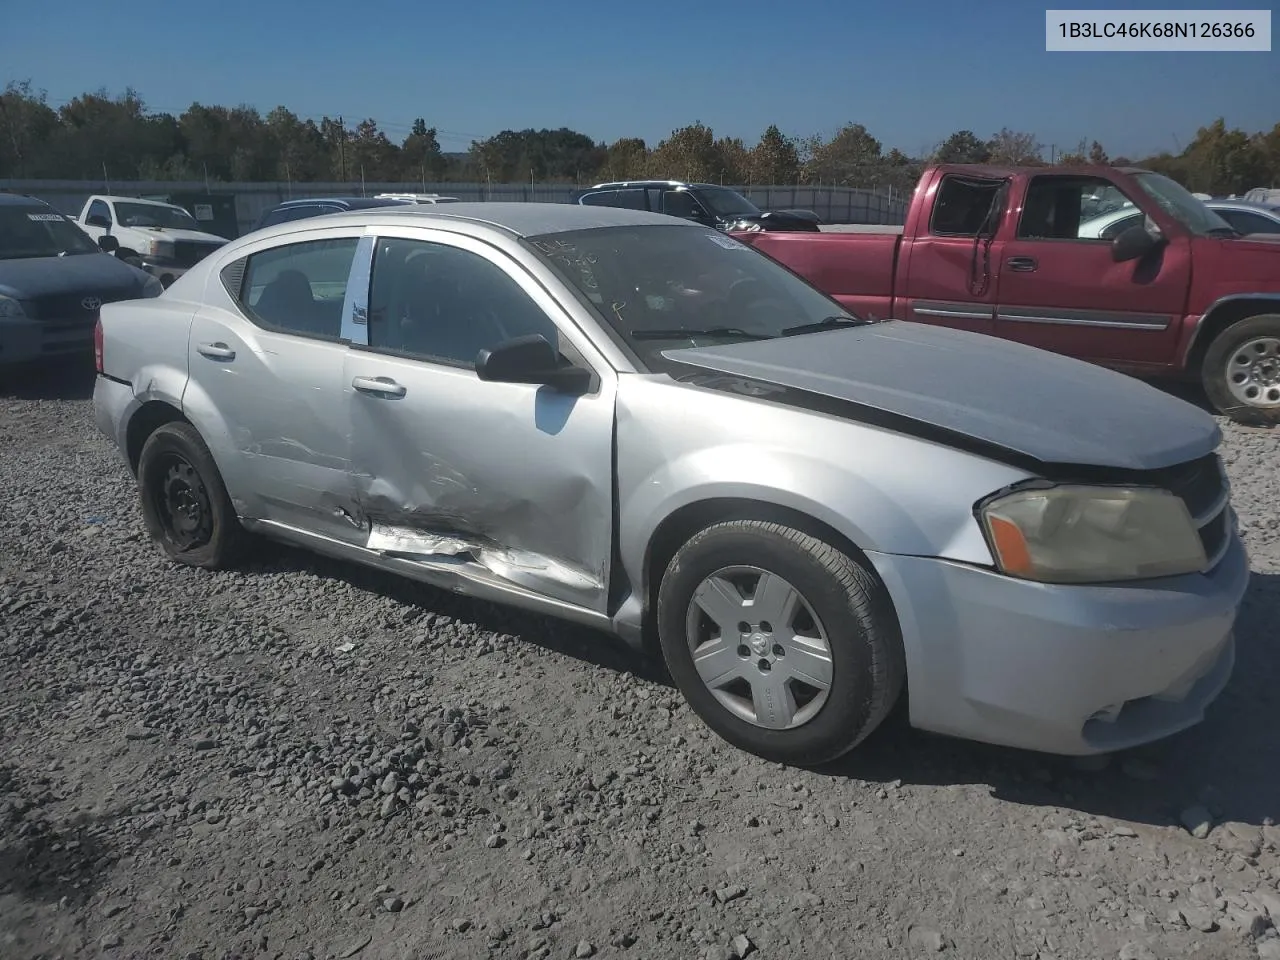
point(184, 503)
point(783, 645)
point(1241, 371)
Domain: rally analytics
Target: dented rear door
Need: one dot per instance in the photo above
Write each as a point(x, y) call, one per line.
point(448, 469)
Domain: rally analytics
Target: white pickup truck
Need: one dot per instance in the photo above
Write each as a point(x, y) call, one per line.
point(161, 238)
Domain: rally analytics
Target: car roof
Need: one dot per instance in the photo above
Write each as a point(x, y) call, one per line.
point(521, 219)
point(354, 203)
point(1249, 206)
point(18, 199)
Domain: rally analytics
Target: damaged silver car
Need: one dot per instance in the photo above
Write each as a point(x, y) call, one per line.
point(640, 424)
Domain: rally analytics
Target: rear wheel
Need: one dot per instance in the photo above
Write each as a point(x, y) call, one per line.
point(184, 502)
point(1241, 371)
point(783, 645)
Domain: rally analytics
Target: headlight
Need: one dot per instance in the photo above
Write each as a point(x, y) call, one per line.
point(160, 249)
point(152, 287)
point(11, 309)
point(1085, 534)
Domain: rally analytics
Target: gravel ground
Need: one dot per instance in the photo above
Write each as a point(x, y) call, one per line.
point(305, 759)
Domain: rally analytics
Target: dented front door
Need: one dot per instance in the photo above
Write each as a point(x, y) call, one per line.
point(513, 478)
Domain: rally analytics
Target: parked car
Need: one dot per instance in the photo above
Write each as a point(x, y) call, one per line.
point(162, 238)
point(1001, 251)
point(419, 197)
point(705, 203)
point(53, 280)
point(1247, 219)
point(291, 210)
point(643, 425)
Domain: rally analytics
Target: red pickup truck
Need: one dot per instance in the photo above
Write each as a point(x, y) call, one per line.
point(1028, 254)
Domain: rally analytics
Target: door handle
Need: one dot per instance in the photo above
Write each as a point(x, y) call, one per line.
point(216, 351)
point(1022, 264)
point(383, 386)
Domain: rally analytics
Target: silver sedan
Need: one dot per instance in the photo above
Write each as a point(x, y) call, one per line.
point(640, 424)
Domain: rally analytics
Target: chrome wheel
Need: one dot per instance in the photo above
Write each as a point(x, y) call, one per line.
point(1253, 372)
point(759, 648)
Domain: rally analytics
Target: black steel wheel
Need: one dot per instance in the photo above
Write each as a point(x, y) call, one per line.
point(184, 502)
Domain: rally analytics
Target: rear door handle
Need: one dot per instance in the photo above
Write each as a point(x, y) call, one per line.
point(216, 351)
point(1022, 264)
point(382, 386)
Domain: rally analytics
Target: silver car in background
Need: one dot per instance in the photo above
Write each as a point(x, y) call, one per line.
point(640, 424)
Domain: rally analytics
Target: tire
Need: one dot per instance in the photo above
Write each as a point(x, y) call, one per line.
point(1247, 348)
point(842, 607)
point(175, 469)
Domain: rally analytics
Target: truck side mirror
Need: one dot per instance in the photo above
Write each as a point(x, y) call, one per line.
point(1134, 243)
point(108, 244)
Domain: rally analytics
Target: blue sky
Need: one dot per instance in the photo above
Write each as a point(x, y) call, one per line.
point(911, 72)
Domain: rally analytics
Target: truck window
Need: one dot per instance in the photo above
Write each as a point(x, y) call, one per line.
point(1066, 208)
point(99, 208)
point(962, 205)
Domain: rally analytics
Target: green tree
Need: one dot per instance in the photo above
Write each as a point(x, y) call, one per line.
point(1014, 148)
point(688, 154)
point(774, 160)
point(420, 154)
point(625, 159)
point(28, 128)
point(851, 157)
point(733, 160)
point(963, 146)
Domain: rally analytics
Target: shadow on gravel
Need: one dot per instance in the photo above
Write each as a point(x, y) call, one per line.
point(43, 861)
point(570, 639)
point(63, 379)
point(1230, 763)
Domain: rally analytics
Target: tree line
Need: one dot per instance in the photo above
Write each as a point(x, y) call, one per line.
point(100, 136)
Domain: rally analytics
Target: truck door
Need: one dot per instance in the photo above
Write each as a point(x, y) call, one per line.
point(946, 271)
point(1060, 290)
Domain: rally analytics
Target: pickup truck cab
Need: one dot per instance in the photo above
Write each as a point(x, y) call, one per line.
point(1002, 251)
point(162, 238)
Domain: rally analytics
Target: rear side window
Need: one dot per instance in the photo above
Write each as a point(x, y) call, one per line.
point(1247, 222)
point(963, 205)
point(299, 287)
point(602, 199)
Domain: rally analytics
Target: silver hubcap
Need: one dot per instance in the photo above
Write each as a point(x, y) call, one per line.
point(1253, 372)
point(759, 647)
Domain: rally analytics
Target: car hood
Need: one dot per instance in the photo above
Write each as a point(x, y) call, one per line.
point(1006, 395)
point(169, 233)
point(98, 273)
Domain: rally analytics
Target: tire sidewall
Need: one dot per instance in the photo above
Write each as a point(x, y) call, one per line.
point(183, 440)
point(1213, 368)
point(851, 696)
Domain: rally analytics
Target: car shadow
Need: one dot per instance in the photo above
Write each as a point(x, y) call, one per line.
point(66, 378)
point(46, 861)
point(1229, 763)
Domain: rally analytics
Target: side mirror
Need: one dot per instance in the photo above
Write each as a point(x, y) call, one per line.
point(97, 220)
point(1134, 244)
point(531, 359)
point(108, 244)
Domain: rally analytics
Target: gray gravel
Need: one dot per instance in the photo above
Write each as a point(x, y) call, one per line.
point(305, 759)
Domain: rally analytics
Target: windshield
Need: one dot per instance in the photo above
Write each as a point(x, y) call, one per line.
point(155, 215)
point(32, 231)
point(668, 287)
point(1176, 201)
point(727, 203)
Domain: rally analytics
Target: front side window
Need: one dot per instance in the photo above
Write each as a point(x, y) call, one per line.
point(444, 304)
point(1247, 222)
point(299, 287)
point(98, 210)
point(680, 203)
point(662, 287)
point(1075, 208)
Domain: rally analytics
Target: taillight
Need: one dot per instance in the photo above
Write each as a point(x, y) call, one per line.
point(97, 346)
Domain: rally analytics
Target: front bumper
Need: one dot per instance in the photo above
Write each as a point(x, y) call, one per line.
point(1063, 669)
point(23, 340)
